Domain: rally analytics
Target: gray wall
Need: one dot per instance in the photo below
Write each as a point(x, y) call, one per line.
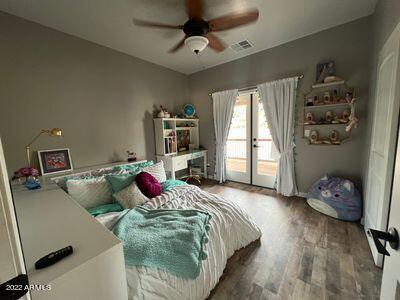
point(102, 99)
point(348, 45)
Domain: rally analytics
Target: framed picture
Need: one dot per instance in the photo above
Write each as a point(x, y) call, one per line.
point(54, 161)
point(324, 70)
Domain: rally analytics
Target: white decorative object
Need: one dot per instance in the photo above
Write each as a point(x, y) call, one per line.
point(90, 192)
point(196, 43)
point(160, 114)
point(223, 104)
point(157, 171)
point(278, 98)
point(130, 196)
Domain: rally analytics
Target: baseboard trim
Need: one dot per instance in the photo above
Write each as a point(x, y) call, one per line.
point(302, 194)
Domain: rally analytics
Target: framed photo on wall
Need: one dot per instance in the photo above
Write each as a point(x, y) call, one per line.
point(324, 70)
point(55, 161)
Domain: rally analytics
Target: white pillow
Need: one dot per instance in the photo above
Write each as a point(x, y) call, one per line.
point(130, 196)
point(90, 192)
point(157, 170)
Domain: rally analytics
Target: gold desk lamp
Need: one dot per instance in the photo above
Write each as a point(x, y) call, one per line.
point(55, 132)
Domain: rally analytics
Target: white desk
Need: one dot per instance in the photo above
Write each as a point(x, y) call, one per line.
point(49, 219)
point(179, 161)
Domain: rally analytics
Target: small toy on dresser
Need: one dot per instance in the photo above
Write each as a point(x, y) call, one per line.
point(163, 113)
point(131, 156)
point(336, 197)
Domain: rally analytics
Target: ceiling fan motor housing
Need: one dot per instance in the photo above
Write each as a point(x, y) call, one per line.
point(196, 43)
point(196, 28)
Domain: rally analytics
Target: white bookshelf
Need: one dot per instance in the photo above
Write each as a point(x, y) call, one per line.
point(168, 131)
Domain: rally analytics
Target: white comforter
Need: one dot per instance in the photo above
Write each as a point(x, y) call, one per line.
point(231, 229)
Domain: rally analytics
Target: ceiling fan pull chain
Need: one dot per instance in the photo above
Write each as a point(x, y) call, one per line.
point(200, 62)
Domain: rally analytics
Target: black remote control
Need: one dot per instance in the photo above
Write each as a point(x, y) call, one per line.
point(52, 258)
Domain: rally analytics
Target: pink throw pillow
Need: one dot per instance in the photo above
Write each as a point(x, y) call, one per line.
point(148, 185)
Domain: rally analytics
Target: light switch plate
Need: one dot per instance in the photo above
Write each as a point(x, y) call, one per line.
point(307, 133)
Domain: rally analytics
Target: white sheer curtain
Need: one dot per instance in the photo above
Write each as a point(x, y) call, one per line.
point(278, 99)
point(223, 104)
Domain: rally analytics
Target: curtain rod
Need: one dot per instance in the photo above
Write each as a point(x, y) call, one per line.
point(255, 86)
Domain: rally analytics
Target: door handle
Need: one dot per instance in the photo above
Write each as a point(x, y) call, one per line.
point(256, 146)
point(390, 236)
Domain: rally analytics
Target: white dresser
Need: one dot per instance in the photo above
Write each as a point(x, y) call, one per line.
point(49, 219)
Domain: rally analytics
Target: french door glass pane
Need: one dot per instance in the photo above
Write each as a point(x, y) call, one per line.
point(236, 144)
point(267, 154)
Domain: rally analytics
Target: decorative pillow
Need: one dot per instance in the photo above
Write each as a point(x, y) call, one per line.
point(157, 171)
point(119, 182)
point(90, 192)
point(130, 196)
point(134, 167)
point(62, 181)
point(148, 185)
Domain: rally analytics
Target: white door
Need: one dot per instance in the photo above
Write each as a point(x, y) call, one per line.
point(390, 288)
point(11, 259)
point(264, 156)
point(238, 154)
point(383, 139)
point(251, 154)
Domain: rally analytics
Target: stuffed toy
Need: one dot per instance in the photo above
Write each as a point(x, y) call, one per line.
point(336, 197)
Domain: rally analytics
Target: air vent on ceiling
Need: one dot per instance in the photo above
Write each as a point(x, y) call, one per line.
point(242, 45)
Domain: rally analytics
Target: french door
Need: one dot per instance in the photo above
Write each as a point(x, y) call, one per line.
point(251, 154)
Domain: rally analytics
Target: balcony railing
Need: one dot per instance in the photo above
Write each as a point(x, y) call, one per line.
point(236, 148)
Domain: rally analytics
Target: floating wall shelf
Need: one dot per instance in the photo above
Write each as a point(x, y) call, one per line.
point(336, 106)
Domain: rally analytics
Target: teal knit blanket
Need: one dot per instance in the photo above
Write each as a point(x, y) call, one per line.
point(172, 240)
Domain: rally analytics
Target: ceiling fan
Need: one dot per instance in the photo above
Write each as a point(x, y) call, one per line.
point(198, 32)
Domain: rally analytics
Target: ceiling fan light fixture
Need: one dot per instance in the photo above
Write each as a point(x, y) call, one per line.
point(196, 43)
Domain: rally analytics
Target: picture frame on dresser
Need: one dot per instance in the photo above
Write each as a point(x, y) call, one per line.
point(55, 161)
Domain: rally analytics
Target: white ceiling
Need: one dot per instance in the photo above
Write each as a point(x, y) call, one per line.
point(109, 23)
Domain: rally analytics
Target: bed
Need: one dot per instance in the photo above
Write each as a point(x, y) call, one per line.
point(231, 229)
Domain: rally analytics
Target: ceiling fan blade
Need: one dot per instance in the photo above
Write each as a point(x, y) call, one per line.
point(215, 43)
point(177, 46)
point(194, 9)
point(233, 20)
point(154, 24)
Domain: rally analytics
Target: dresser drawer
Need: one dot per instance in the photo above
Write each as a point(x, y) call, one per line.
point(196, 155)
point(180, 163)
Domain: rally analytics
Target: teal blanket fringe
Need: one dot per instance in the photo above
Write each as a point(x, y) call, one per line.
point(172, 240)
